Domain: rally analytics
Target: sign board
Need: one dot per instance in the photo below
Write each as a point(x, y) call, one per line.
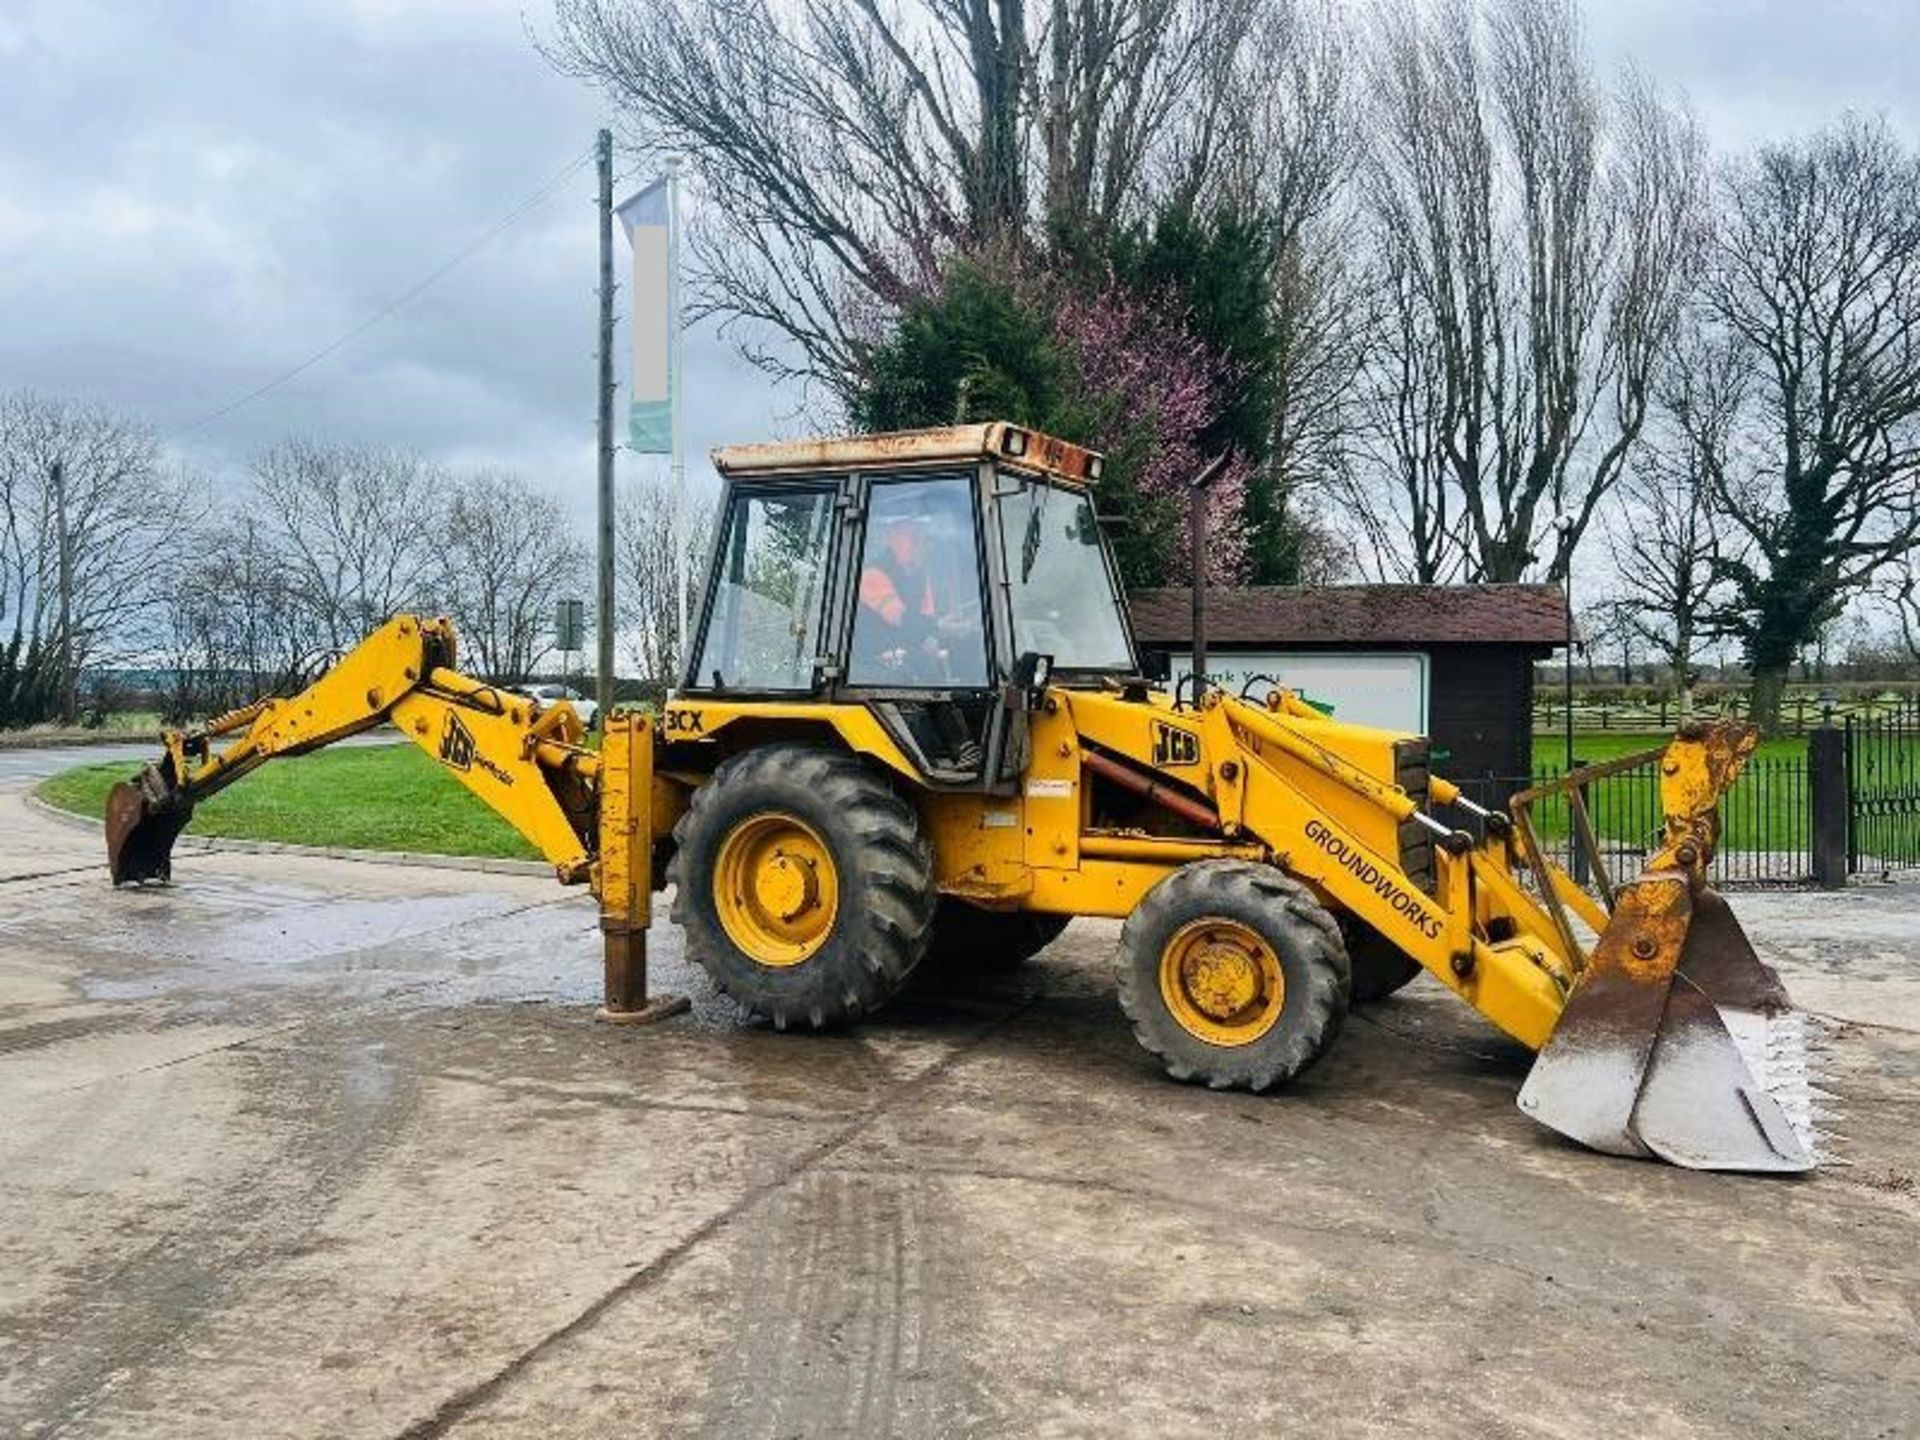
point(570, 625)
point(1384, 689)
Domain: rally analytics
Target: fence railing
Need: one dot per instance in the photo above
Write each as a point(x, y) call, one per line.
point(1848, 805)
point(1882, 759)
point(1766, 833)
point(1657, 712)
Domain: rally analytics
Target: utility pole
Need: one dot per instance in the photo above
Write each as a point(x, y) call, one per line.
point(603, 618)
point(69, 682)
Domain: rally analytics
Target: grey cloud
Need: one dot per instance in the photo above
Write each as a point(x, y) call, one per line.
point(194, 196)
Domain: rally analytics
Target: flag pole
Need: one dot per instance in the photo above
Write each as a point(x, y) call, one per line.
point(676, 380)
point(603, 623)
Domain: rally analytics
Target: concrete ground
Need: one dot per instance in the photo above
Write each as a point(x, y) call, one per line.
point(309, 1147)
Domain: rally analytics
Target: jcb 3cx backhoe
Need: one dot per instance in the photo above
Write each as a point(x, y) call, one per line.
point(913, 719)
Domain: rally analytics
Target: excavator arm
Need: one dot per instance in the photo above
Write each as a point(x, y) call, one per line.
point(589, 815)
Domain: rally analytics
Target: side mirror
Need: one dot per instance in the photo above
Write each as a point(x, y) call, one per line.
point(1155, 665)
point(1030, 674)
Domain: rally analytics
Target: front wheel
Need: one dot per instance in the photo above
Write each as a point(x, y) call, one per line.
point(1233, 974)
point(803, 884)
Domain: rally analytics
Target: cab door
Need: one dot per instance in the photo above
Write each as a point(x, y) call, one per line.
point(764, 619)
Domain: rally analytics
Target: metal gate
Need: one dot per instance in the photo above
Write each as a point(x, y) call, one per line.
point(1883, 794)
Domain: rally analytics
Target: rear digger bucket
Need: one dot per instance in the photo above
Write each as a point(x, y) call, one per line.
point(1676, 1041)
point(144, 817)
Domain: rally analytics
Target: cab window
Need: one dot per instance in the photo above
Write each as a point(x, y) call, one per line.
point(763, 630)
point(917, 611)
point(1063, 596)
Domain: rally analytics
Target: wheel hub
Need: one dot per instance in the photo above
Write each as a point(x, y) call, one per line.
point(788, 885)
point(775, 889)
point(1222, 981)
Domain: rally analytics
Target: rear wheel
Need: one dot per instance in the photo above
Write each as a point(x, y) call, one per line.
point(803, 884)
point(1233, 974)
point(1379, 966)
point(965, 937)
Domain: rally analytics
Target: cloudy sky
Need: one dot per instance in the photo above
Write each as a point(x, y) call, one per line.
point(196, 195)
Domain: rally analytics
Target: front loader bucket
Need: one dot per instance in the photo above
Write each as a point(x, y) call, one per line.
point(144, 817)
point(1678, 1043)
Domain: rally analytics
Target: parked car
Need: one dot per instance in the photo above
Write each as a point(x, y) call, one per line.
point(587, 710)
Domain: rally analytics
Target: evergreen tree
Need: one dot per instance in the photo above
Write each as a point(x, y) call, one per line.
point(1219, 270)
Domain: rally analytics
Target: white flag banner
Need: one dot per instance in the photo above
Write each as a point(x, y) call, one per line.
point(650, 406)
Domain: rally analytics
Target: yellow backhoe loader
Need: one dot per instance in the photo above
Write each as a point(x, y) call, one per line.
point(913, 719)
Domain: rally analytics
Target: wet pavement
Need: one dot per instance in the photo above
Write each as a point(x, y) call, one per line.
point(312, 1147)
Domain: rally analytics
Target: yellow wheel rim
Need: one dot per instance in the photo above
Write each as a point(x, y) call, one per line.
point(776, 889)
point(1222, 981)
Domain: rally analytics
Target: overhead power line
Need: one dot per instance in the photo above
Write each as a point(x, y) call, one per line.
point(405, 297)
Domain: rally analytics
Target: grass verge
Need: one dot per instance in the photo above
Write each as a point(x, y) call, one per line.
point(384, 797)
point(1765, 811)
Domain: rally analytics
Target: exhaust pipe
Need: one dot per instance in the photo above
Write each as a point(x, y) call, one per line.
point(1197, 489)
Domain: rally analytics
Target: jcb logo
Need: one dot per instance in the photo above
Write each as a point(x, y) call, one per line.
point(456, 744)
point(460, 753)
point(1173, 747)
point(684, 722)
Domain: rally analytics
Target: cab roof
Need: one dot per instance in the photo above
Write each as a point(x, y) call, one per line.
point(1014, 446)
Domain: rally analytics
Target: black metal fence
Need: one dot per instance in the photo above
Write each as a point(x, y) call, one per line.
point(1849, 805)
point(1766, 830)
point(1882, 759)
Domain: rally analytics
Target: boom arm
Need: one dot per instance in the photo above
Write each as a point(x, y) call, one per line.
point(588, 814)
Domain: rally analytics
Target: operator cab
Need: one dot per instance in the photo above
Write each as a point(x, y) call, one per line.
point(932, 576)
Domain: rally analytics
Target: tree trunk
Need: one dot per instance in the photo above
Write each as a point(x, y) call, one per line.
point(1768, 689)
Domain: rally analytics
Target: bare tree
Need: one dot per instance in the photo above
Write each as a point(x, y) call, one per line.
point(1899, 592)
point(507, 556)
point(355, 529)
point(1611, 626)
point(655, 524)
point(1395, 493)
point(1535, 242)
point(114, 516)
point(849, 146)
point(233, 626)
point(1815, 284)
point(1668, 547)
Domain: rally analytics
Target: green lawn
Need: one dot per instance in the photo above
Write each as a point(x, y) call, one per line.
point(1765, 810)
point(1590, 748)
point(388, 797)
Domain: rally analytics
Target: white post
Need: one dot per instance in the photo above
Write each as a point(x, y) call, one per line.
point(676, 379)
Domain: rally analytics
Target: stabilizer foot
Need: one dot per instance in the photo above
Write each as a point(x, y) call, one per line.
point(659, 1007)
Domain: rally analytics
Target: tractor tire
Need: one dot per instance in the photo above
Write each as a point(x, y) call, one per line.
point(1379, 966)
point(1233, 974)
point(803, 884)
point(967, 938)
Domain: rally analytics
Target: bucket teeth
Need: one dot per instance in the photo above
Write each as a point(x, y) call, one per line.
point(1788, 1071)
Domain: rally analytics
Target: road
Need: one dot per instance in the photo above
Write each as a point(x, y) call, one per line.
point(30, 764)
point(310, 1147)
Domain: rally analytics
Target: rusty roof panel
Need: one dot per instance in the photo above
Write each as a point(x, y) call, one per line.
point(994, 440)
point(1357, 615)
